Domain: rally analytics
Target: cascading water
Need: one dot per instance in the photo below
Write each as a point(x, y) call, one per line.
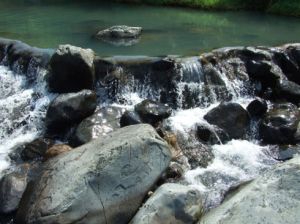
point(22, 109)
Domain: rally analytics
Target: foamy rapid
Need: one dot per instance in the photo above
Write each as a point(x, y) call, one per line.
point(22, 109)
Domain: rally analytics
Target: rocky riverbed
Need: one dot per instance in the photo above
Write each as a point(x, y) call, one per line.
point(206, 139)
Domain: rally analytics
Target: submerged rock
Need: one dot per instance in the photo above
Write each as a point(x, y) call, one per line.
point(171, 203)
point(70, 108)
point(71, 69)
point(231, 117)
point(104, 181)
point(280, 124)
point(273, 198)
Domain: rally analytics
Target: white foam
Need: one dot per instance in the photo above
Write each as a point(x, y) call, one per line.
point(236, 162)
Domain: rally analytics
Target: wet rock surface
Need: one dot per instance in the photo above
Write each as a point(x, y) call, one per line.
point(70, 108)
point(102, 122)
point(274, 198)
point(130, 161)
point(231, 117)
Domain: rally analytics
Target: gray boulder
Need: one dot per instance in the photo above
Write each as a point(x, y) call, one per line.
point(102, 122)
point(121, 31)
point(70, 108)
point(12, 187)
point(72, 69)
point(171, 204)
point(273, 198)
point(104, 181)
point(231, 117)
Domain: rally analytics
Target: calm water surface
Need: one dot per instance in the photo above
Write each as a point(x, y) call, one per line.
point(167, 30)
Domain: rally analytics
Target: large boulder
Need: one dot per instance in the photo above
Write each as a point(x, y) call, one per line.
point(104, 181)
point(289, 91)
point(272, 198)
point(102, 122)
point(171, 203)
point(72, 69)
point(280, 124)
point(70, 108)
point(231, 117)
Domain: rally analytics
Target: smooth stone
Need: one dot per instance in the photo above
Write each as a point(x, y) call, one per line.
point(171, 203)
point(257, 107)
point(104, 181)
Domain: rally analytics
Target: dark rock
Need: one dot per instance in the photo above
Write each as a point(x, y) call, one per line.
point(211, 136)
point(110, 178)
point(36, 149)
point(72, 69)
point(231, 117)
point(257, 107)
point(120, 32)
point(213, 77)
point(274, 197)
point(171, 203)
point(57, 150)
point(152, 112)
point(130, 118)
point(12, 187)
point(264, 72)
point(280, 124)
point(102, 122)
point(70, 108)
point(289, 91)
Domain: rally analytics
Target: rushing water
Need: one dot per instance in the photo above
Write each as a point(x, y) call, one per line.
point(169, 30)
point(22, 109)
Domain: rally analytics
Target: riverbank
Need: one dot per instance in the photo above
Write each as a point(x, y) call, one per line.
point(282, 7)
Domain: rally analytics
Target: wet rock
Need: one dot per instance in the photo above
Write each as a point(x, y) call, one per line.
point(72, 69)
point(171, 203)
point(152, 112)
point(264, 72)
point(70, 108)
point(57, 150)
point(120, 32)
point(288, 90)
point(257, 107)
point(102, 122)
point(285, 152)
point(207, 135)
point(12, 187)
point(213, 77)
point(36, 149)
point(274, 198)
point(130, 118)
point(231, 117)
point(280, 124)
point(130, 160)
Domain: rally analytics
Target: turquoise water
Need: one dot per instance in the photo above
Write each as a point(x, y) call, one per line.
point(166, 30)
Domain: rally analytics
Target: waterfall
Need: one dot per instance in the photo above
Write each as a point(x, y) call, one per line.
point(22, 109)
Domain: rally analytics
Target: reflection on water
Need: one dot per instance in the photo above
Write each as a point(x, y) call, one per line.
point(167, 30)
